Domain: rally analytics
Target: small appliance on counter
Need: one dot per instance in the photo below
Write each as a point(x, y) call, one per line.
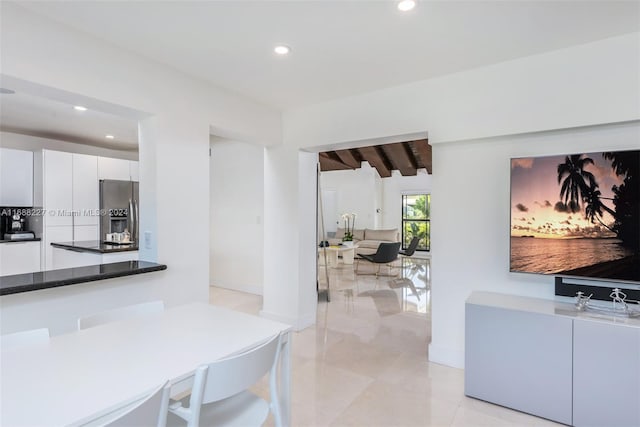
point(13, 225)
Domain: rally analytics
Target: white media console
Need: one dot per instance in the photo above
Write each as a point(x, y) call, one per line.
point(546, 358)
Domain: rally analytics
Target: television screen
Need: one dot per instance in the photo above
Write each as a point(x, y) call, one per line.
point(577, 215)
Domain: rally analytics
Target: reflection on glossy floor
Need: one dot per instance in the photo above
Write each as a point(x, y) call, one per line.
point(365, 363)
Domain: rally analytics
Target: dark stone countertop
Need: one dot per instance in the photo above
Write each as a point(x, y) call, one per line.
point(19, 283)
point(35, 239)
point(95, 246)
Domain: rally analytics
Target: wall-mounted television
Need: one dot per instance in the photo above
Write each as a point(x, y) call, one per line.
point(577, 215)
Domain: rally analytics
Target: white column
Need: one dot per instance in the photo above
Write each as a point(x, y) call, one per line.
point(174, 203)
point(290, 236)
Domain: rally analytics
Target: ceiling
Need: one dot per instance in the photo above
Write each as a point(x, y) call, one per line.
point(28, 114)
point(406, 157)
point(339, 48)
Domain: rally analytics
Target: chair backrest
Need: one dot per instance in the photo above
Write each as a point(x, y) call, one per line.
point(412, 247)
point(120, 313)
point(230, 376)
point(24, 338)
point(149, 409)
point(386, 252)
point(152, 411)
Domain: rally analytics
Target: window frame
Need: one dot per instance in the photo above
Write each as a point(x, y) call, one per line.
point(427, 221)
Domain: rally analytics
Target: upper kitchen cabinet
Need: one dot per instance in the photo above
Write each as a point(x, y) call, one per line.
point(57, 184)
point(109, 168)
point(134, 170)
point(85, 190)
point(16, 178)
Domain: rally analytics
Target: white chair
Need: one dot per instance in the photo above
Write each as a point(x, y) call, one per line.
point(147, 410)
point(24, 338)
point(220, 397)
point(120, 313)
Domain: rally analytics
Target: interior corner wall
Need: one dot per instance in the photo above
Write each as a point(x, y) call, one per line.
point(471, 221)
point(237, 209)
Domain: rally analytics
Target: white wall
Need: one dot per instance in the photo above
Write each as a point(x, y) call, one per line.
point(564, 89)
point(174, 138)
point(394, 187)
point(290, 251)
point(34, 143)
point(471, 220)
point(578, 86)
point(355, 193)
point(363, 191)
point(237, 209)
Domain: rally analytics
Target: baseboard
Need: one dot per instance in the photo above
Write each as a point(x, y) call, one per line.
point(446, 356)
point(297, 323)
point(249, 289)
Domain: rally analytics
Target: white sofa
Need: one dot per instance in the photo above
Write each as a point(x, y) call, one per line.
point(367, 239)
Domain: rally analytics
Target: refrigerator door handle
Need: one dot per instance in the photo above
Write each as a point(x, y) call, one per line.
point(137, 218)
point(131, 213)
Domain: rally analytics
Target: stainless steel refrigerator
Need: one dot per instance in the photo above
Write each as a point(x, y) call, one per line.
point(118, 208)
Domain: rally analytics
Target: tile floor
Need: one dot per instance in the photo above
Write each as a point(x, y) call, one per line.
point(365, 363)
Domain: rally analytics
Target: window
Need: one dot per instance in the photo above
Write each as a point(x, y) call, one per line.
point(416, 220)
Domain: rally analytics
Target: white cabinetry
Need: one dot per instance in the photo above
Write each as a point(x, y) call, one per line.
point(54, 234)
point(85, 232)
point(16, 178)
point(85, 191)
point(546, 358)
point(606, 374)
point(19, 258)
point(65, 258)
point(520, 360)
point(70, 199)
point(118, 169)
point(57, 194)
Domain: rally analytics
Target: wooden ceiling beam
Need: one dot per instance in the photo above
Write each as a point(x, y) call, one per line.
point(375, 159)
point(423, 149)
point(347, 157)
point(329, 164)
point(401, 158)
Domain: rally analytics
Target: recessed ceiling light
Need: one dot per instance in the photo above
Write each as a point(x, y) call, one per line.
point(282, 49)
point(5, 91)
point(406, 5)
point(109, 136)
point(79, 108)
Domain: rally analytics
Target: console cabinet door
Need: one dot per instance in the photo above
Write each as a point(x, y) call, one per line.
point(606, 374)
point(518, 359)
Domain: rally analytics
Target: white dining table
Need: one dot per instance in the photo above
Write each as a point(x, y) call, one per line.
point(76, 375)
